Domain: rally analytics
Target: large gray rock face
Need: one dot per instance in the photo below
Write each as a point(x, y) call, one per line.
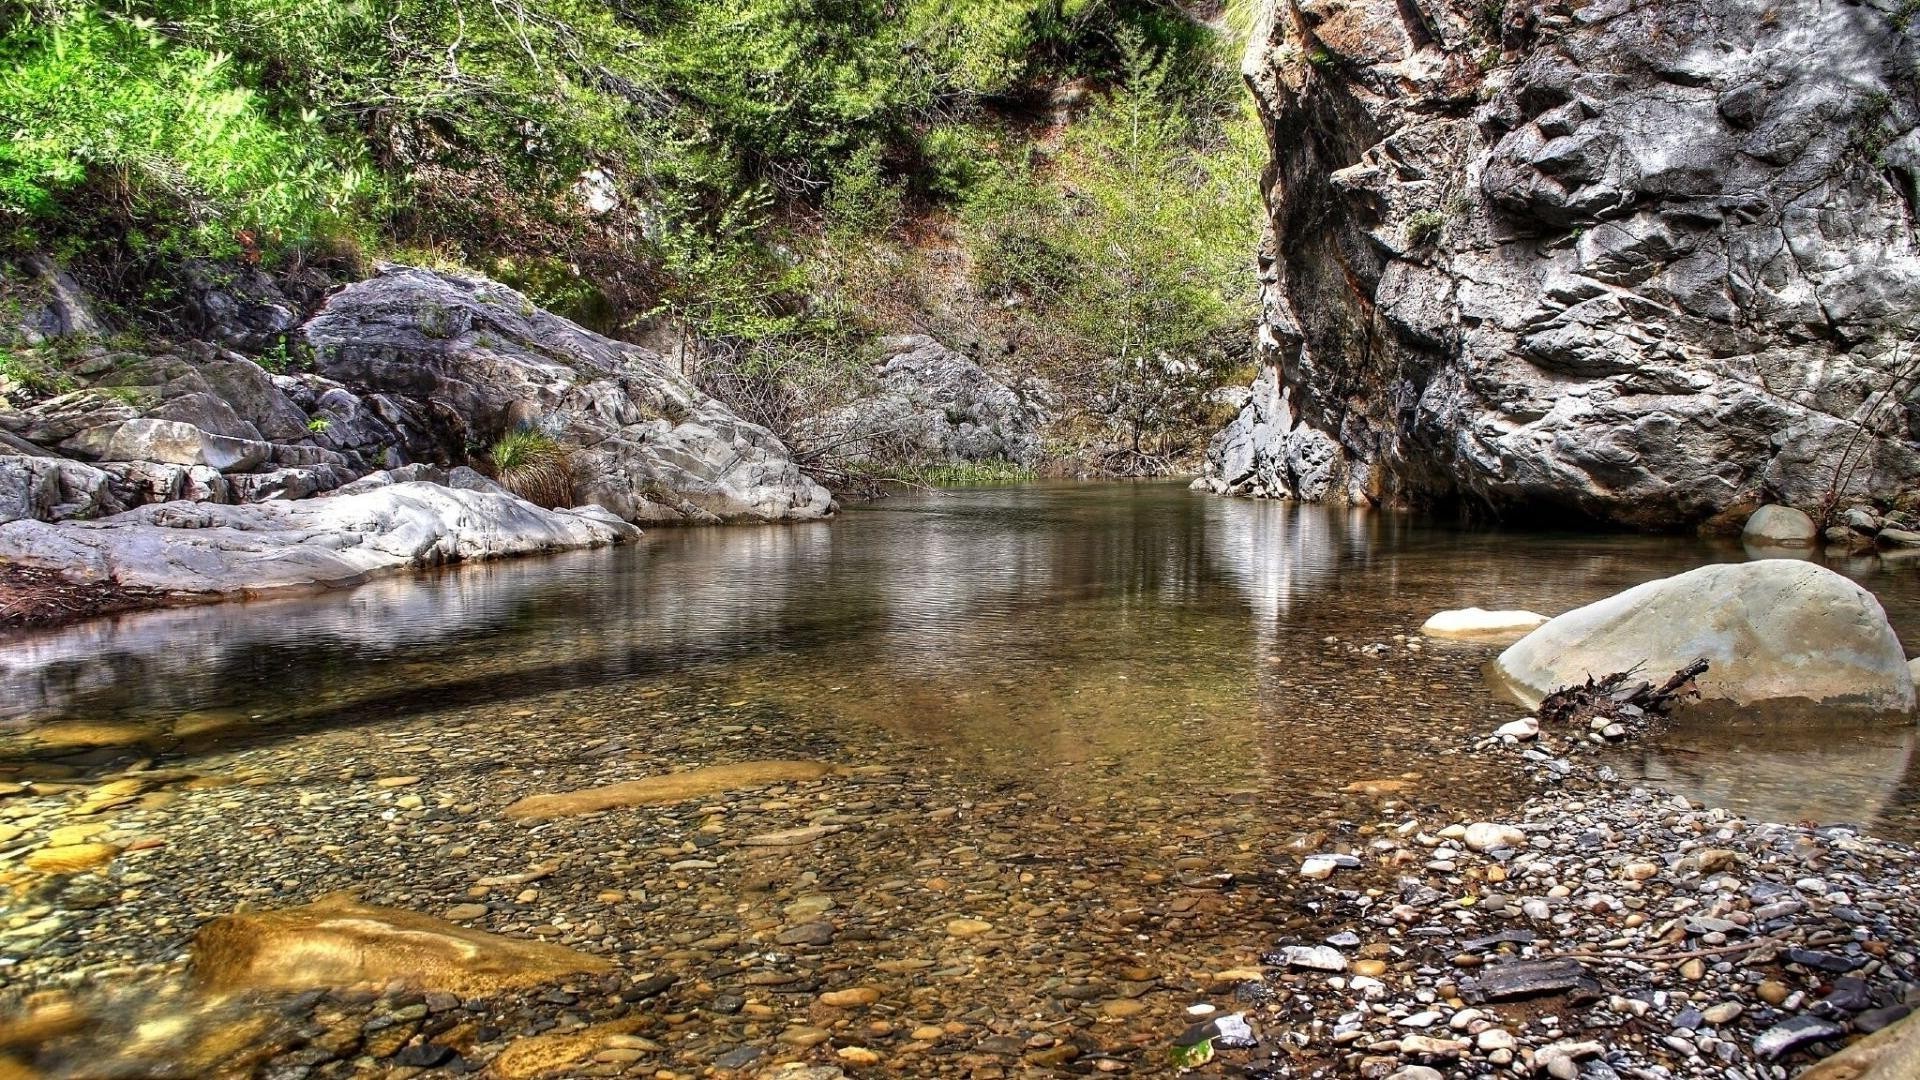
point(328, 542)
point(1641, 261)
point(929, 406)
point(465, 360)
point(1777, 630)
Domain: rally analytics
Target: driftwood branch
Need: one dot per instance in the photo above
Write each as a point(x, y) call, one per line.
point(1614, 697)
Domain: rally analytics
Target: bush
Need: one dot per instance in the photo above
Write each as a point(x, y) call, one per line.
point(1425, 227)
point(533, 465)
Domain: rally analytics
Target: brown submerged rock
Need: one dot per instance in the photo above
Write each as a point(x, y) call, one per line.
point(545, 1055)
point(668, 788)
point(337, 942)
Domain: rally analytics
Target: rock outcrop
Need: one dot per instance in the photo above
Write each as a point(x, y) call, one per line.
point(931, 406)
point(472, 359)
point(409, 368)
point(1644, 262)
point(212, 550)
point(1778, 631)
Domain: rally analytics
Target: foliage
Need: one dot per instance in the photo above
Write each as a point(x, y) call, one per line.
point(756, 176)
point(1128, 251)
point(101, 98)
point(533, 465)
point(28, 375)
point(959, 474)
point(1424, 227)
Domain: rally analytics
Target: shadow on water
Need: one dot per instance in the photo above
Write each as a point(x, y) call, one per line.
point(1030, 628)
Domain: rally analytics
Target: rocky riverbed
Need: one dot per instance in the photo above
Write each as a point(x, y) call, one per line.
point(869, 905)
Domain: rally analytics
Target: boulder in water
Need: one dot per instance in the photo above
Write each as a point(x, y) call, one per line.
point(1779, 526)
point(1478, 624)
point(336, 942)
point(1777, 630)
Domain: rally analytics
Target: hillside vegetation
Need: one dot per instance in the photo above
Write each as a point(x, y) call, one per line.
point(1064, 188)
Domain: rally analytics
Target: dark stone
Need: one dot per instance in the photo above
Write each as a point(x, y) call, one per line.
point(1822, 961)
point(739, 1057)
point(1530, 978)
point(1849, 995)
point(423, 1055)
point(1505, 937)
point(813, 933)
point(1875, 1019)
point(1793, 1034)
point(647, 988)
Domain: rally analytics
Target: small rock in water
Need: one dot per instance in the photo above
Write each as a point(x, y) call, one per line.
point(1486, 836)
point(1315, 957)
point(1527, 727)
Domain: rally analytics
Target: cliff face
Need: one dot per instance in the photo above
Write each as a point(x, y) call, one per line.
point(1643, 260)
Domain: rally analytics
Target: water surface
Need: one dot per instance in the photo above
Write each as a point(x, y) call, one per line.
point(1086, 638)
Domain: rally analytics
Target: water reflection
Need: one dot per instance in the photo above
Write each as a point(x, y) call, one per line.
point(1144, 629)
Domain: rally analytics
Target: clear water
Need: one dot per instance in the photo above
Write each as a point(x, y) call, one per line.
point(1078, 638)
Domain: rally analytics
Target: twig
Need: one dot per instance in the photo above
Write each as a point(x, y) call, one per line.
point(1721, 950)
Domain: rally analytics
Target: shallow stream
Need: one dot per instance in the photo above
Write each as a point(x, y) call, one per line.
point(1102, 721)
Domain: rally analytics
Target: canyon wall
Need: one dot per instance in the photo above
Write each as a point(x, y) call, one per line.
point(1651, 263)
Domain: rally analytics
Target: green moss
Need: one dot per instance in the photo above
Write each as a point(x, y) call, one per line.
point(1425, 227)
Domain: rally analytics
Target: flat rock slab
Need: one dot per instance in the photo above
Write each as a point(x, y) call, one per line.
point(336, 942)
point(668, 788)
point(1531, 978)
point(329, 542)
point(1476, 624)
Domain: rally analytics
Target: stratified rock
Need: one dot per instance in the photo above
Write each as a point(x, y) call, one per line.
point(42, 488)
point(1778, 630)
point(1645, 262)
point(1476, 624)
point(930, 405)
point(668, 788)
point(337, 942)
point(237, 306)
point(469, 360)
point(1780, 525)
point(331, 542)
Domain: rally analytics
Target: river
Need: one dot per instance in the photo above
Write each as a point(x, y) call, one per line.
point(1100, 719)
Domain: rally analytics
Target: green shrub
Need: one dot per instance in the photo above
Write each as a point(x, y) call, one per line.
point(1425, 227)
point(533, 465)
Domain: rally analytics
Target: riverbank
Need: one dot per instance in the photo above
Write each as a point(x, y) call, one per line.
point(34, 598)
point(932, 913)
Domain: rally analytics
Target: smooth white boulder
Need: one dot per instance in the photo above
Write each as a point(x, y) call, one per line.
point(326, 542)
point(1777, 630)
point(1779, 525)
point(1478, 624)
